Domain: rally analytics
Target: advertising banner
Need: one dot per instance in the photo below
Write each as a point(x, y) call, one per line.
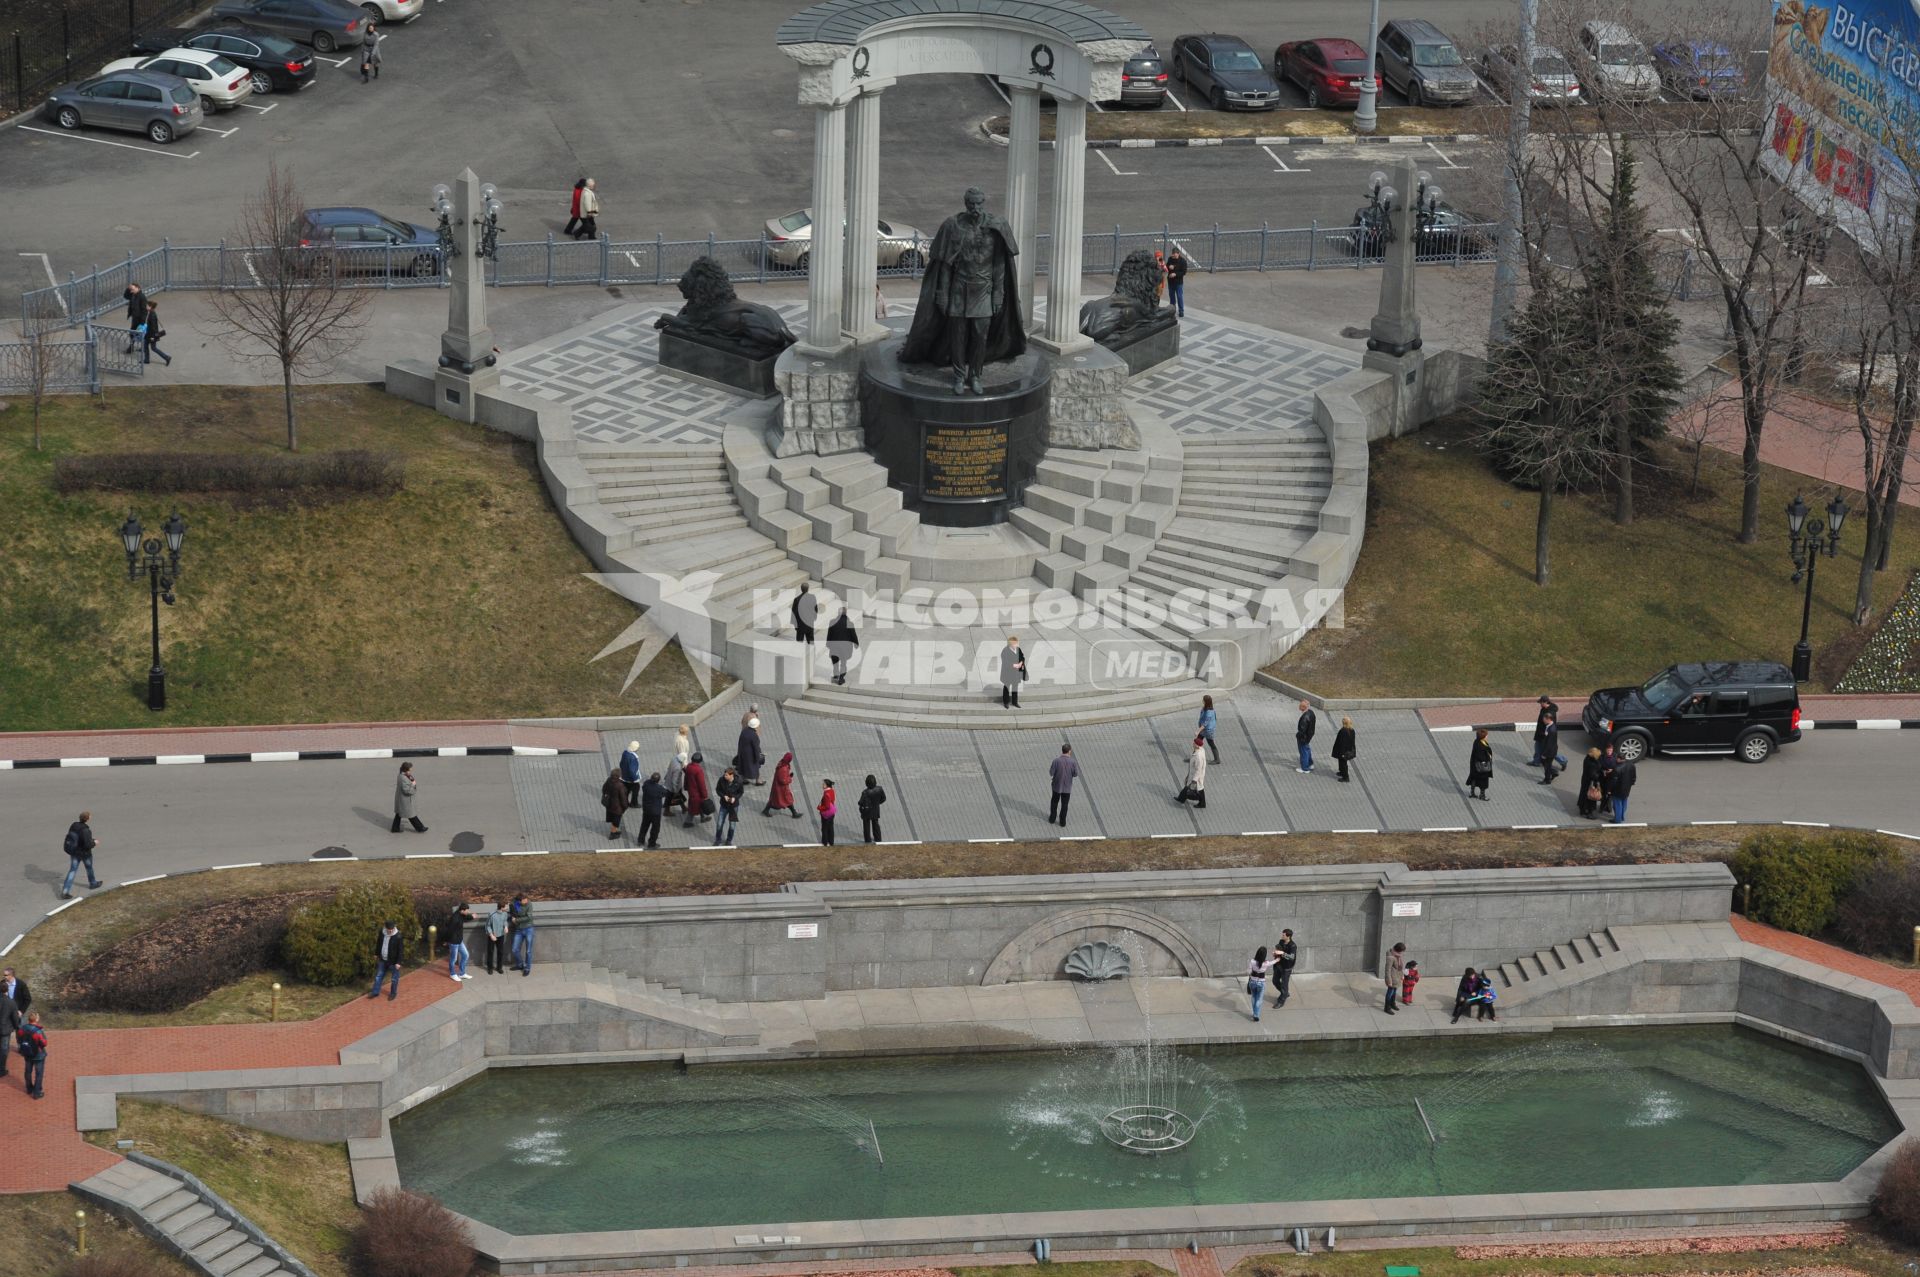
point(1843, 106)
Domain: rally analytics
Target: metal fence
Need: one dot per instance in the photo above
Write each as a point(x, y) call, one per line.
point(49, 42)
point(554, 262)
point(70, 364)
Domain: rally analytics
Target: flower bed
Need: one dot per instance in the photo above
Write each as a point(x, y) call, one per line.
point(1890, 662)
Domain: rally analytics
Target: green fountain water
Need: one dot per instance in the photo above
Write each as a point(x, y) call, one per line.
point(546, 1150)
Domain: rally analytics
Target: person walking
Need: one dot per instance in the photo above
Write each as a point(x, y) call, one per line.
point(675, 782)
point(10, 1022)
point(728, 790)
point(520, 927)
point(1013, 672)
point(699, 802)
point(154, 332)
point(1285, 954)
point(1257, 979)
point(842, 642)
point(12, 986)
point(1592, 790)
point(1303, 737)
point(457, 956)
point(780, 793)
point(1463, 993)
point(806, 610)
point(630, 772)
point(829, 808)
point(872, 799)
point(136, 299)
point(1209, 720)
point(30, 1039)
point(1195, 787)
point(1061, 773)
point(589, 212)
point(386, 960)
point(370, 53)
point(80, 844)
point(683, 743)
point(1621, 787)
point(613, 801)
point(1479, 765)
point(1160, 275)
point(497, 922)
point(1177, 281)
point(1344, 751)
point(1407, 981)
point(1552, 763)
point(1549, 716)
point(752, 757)
point(1396, 972)
point(653, 807)
point(404, 789)
point(573, 207)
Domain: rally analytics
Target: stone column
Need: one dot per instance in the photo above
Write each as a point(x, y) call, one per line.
point(1069, 201)
point(1393, 339)
point(863, 217)
point(825, 278)
point(467, 365)
point(1023, 188)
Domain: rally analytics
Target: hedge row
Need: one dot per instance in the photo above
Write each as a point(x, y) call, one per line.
point(354, 470)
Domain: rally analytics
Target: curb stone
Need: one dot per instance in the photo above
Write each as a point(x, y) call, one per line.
point(1343, 139)
point(292, 756)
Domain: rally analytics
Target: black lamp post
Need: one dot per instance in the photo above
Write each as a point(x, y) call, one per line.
point(162, 570)
point(1806, 542)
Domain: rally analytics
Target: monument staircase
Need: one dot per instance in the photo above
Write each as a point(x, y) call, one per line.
point(1547, 963)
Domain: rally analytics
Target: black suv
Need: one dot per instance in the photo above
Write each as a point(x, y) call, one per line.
point(1748, 708)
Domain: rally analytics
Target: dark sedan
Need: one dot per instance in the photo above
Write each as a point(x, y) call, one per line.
point(276, 65)
point(1226, 71)
point(1328, 70)
point(366, 242)
point(325, 24)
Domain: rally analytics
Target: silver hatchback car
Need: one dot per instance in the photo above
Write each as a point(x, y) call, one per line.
point(790, 242)
point(162, 106)
point(1553, 78)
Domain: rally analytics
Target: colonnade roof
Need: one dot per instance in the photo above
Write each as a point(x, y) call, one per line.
point(848, 21)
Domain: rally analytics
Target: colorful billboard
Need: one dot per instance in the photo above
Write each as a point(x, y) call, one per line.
point(1843, 108)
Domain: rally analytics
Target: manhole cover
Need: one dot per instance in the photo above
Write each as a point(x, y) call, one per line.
point(332, 853)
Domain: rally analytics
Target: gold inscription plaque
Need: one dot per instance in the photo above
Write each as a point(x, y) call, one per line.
point(965, 463)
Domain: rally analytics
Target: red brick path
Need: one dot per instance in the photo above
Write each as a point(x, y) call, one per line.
point(44, 1153)
point(1830, 956)
point(1204, 1264)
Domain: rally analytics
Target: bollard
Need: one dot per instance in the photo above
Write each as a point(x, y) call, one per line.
point(1916, 946)
point(433, 936)
point(1746, 900)
point(80, 1232)
point(273, 1010)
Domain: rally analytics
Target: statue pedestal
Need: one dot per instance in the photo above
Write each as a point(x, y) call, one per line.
point(959, 460)
point(820, 408)
point(718, 362)
point(1089, 408)
point(1146, 346)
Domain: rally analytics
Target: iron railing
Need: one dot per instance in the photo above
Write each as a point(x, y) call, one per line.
point(69, 365)
point(555, 262)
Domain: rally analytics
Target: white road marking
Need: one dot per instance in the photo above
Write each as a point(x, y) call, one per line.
point(134, 882)
point(1353, 831)
point(1083, 837)
point(815, 844)
point(1713, 822)
point(1117, 172)
point(250, 864)
point(898, 842)
point(523, 853)
point(222, 132)
point(16, 940)
point(172, 760)
point(1534, 826)
point(1178, 104)
point(339, 62)
point(1448, 162)
point(1262, 833)
point(275, 755)
point(262, 109)
point(1099, 109)
point(1173, 835)
point(368, 753)
point(1808, 824)
point(974, 840)
point(1891, 833)
point(453, 751)
point(84, 762)
point(1630, 824)
point(248, 259)
point(534, 751)
point(428, 855)
point(70, 904)
point(634, 261)
point(1444, 829)
point(995, 85)
point(125, 146)
point(1282, 163)
point(46, 264)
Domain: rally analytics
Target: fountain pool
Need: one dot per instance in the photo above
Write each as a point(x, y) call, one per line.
point(581, 1149)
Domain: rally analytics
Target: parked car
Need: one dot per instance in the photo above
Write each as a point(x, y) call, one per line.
point(790, 241)
point(162, 106)
point(1699, 69)
point(1552, 78)
point(1143, 81)
point(1616, 64)
point(1328, 70)
point(1444, 233)
point(387, 12)
point(371, 243)
point(325, 24)
point(1227, 71)
point(221, 84)
point(1744, 708)
point(1419, 60)
point(275, 64)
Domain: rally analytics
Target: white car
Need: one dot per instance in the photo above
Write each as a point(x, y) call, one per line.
point(1616, 63)
point(388, 12)
point(221, 83)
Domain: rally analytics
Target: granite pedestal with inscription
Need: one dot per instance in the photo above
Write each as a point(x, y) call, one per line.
point(960, 460)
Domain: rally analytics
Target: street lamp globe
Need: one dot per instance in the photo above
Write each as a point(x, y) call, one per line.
point(176, 531)
point(1796, 515)
point(1836, 515)
point(130, 536)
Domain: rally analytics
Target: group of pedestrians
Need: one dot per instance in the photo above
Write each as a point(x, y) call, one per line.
point(1606, 780)
point(21, 1031)
point(1401, 975)
point(1277, 962)
point(507, 931)
point(143, 325)
point(583, 213)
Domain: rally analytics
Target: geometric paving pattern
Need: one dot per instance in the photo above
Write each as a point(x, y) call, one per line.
point(1232, 378)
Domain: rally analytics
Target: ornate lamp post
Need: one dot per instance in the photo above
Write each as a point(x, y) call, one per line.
point(469, 234)
point(1806, 542)
point(162, 571)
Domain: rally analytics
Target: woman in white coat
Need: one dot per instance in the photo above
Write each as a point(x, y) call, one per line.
point(1195, 788)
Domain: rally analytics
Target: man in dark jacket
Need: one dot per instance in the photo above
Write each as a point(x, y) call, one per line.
point(1177, 281)
point(1546, 743)
point(752, 757)
point(80, 844)
point(806, 609)
point(727, 790)
point(653, 805)
point(1624, 774)
point(1545, 722)
point(14, 987)
point(9, 1025)
point(872, 798)
point(1303, 737)
point(136, 314)
point(1061, 773)
point(842, 640)
point(386, 958)
point(1285, 954)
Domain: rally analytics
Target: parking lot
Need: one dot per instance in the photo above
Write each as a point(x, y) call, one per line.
point(685, 114)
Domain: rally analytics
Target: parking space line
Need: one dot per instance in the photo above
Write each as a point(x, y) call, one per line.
point(1117, 172)
point(46, 264)
point(222, 132)
point(339, 62)
point(1282, 163)
point(262, 109)
point(125, 146)
point(995, 86)
point(633, 261)
point(1444, 157)
point(1178, 104)
point(248, 259)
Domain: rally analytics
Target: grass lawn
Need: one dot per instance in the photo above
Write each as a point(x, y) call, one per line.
point(1860, 1252)
point(248, 1000)
point(299, 1193)
point(39, 1237)
point(64, 940)
point(460, 597)
point(1443, 602)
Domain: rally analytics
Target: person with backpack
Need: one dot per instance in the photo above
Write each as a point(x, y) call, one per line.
point(520, 927)
point(80, 846)
point(1484, 996)
point(872, 798)
point(31, 1041)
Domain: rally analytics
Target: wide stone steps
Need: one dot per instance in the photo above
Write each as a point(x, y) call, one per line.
point(693, 1010)
point(1566, 956)
point(1047, 695)
point(1112, 707)
point(1253, 516)
point(192, 1227)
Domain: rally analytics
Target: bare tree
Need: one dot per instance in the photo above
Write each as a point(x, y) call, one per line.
point(1697, 419)
point(294, 306)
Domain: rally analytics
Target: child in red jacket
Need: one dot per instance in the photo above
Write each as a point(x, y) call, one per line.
point(1407, 981)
